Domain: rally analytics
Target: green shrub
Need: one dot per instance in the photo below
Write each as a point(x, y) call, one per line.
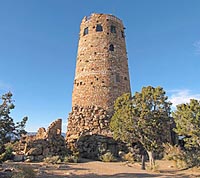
point(7, 154)
point(154, 168)
point(175, 154)
point(71, 159)
point(172, 152)
point(128, 157)
point(52, 159)
point(107, 157)
point(193, 158)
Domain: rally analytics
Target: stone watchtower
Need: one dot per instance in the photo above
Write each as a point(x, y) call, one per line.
point(101, 75)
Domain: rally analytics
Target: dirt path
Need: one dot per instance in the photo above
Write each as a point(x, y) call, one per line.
point(121, 170)
point(95, 169)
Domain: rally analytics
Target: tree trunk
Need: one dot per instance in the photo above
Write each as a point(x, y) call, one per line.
point(151, 159)
point(143, 162)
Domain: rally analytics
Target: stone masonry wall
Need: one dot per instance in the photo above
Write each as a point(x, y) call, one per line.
point(88, 132)
point(44, 143)
point(101, 67)
point(87, 121)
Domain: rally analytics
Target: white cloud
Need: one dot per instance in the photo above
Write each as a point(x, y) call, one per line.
point(197, 47)
point(182, 96)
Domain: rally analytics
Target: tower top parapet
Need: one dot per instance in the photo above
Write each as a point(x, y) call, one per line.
point(108, 16)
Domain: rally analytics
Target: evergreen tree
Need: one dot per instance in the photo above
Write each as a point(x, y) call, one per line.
point(144, 118)
point(187, 119)
point(8, 128)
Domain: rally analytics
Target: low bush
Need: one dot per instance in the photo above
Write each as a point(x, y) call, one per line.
point(176, 154)
point(107, 157)
point(154, 168)
point(128, 157)
point(71, 159)
point(7, 154)
point(52, 159)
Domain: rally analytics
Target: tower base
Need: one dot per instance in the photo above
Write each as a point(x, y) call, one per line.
point(88, 132)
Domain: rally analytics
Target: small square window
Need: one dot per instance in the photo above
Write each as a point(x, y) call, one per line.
point(113, 29)
point(111, 47)
point(85, 31)
point(99, 28)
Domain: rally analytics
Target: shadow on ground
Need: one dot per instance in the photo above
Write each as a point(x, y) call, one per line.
point(122, 175)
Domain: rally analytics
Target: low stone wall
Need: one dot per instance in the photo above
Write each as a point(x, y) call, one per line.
point(44, 143)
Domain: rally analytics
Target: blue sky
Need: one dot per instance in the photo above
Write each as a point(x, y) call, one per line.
point(38, 46)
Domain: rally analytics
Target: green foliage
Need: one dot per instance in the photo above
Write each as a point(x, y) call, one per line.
point(24, 172)
point(7, 154)
point(192, 158)
point(174, 153)
point(107, 157)
point(52, 159)
point(8, 128)
point(182, 158)
point(144, 118)
point(152, 117)
point(187, 119)
point(154, 168)
point(121, 122)
point(128, 157)
point(71, 159)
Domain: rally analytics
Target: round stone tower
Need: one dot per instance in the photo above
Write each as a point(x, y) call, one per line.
point(101, 76)
point(101, 67)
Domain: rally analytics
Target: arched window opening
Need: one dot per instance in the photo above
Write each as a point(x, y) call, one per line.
point(111, 47)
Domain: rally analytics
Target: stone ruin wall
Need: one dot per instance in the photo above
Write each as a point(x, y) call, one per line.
point(44, 143)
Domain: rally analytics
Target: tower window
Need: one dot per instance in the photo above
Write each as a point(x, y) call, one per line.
point(85, 31)
point(117, 78)
point(111, 47)
point(122, 32)
point(99, 28)
point(113, 29)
